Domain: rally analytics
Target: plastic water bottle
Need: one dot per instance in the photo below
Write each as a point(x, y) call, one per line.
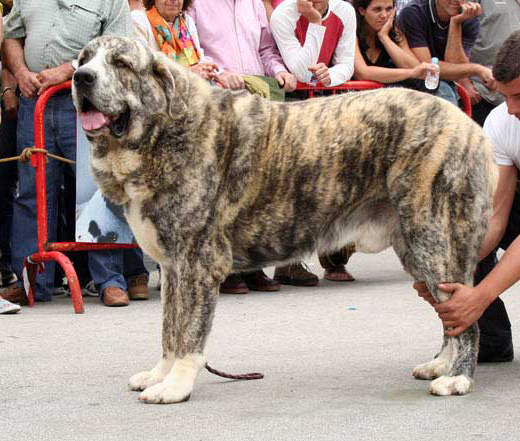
point(432, 76)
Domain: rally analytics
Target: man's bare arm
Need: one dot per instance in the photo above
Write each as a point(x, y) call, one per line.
point(454, 71)
point(15, 61)
point(454, 52)
point(55, 75)
point(502, 204)
point(9, 97)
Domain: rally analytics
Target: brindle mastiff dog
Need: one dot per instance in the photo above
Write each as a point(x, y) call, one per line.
point(214, 181)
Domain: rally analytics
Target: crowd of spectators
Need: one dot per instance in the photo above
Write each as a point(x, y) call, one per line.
point(264, 47)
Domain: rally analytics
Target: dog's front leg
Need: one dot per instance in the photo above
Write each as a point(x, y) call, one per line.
point(188, 295)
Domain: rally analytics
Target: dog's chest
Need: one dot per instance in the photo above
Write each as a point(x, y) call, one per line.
point(144, 231)
point(118, 162)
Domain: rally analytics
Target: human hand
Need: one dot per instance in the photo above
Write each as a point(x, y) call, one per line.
point(231, 80)
point(28, 83)
point(307, 9)
point(11, 104)
point(487, 77)
point(321, 72)
point(286, 80)
point(473, 93)
point(421, 70)
point(422, 291)
point(205, 70)
point(468, 11)
point(387, 27)
point(463, 308)
point(55, 75)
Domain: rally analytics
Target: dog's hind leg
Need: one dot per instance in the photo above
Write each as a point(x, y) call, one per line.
point(189, 291)
point(445, 250)
point(441, 363)
point(455, 364)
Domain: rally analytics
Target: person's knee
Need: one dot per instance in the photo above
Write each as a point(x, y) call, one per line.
point(447, 92)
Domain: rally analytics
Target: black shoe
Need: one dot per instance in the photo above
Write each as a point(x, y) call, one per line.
point(296, 274)
point(8, 278)
point(233, 285)
point(258, 281)
point(496, 354)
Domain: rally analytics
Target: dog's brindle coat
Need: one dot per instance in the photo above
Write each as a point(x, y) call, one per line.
point(214, 181)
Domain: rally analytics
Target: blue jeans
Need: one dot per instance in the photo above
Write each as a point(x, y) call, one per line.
point(115, 267)
point(60, 138)
point(447, 91)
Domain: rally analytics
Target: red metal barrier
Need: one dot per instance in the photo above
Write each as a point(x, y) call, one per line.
point(369, 85)
point(53, 251)
point(349, 85)
point(464, 100)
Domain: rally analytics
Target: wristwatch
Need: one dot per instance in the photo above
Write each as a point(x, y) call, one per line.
point(4, 90)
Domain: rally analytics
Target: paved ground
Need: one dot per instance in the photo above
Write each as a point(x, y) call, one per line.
point(337, 361)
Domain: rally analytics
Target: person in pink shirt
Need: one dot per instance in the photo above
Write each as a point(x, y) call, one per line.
point(270, 6)
point(236, 35)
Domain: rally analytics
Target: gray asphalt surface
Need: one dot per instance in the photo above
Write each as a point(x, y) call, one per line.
point(337, 361)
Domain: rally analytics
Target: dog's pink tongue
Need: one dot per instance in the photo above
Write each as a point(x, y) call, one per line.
point(93, 120)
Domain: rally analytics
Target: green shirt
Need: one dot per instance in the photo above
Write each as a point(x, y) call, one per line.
point(55, 31)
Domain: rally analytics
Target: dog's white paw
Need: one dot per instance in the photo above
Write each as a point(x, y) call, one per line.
point(458, 385)
point(433, 369)
point(146, 379)
point(178, 384)
point(166, 393)
point(143, 380)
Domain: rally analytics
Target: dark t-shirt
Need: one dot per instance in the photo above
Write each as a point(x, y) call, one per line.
point(420, 23)
point(383, 59)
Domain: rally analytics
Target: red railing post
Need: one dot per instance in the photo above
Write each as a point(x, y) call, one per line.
point(52, 251)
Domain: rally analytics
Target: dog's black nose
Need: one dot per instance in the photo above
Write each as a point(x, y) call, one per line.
point(84, 77)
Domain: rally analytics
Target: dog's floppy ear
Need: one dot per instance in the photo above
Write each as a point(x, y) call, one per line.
point(166, 74)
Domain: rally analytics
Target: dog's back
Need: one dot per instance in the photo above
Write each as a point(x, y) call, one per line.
point(331, 169)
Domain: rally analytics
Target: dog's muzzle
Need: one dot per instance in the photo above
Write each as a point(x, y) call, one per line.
point(84, 78)
point(92, 119)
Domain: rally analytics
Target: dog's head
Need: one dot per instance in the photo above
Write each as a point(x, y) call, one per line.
point(121, 88)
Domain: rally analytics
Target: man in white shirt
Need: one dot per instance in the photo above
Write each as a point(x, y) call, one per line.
point(469, 304)
point(317, 38)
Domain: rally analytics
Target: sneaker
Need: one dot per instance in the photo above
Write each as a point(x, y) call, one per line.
point(258, 281)
point(90, 290)
point(338, 274)
point(61, 290)
point(233, 285)
point(113, 296)
point(6, 307)
point(138, 287)
point(295, 274)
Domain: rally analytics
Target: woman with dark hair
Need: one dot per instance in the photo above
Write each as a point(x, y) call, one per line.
point(165, 26)
point(382, 52)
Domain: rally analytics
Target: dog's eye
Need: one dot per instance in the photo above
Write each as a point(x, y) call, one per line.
point(120, 64)
point(83, 60)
